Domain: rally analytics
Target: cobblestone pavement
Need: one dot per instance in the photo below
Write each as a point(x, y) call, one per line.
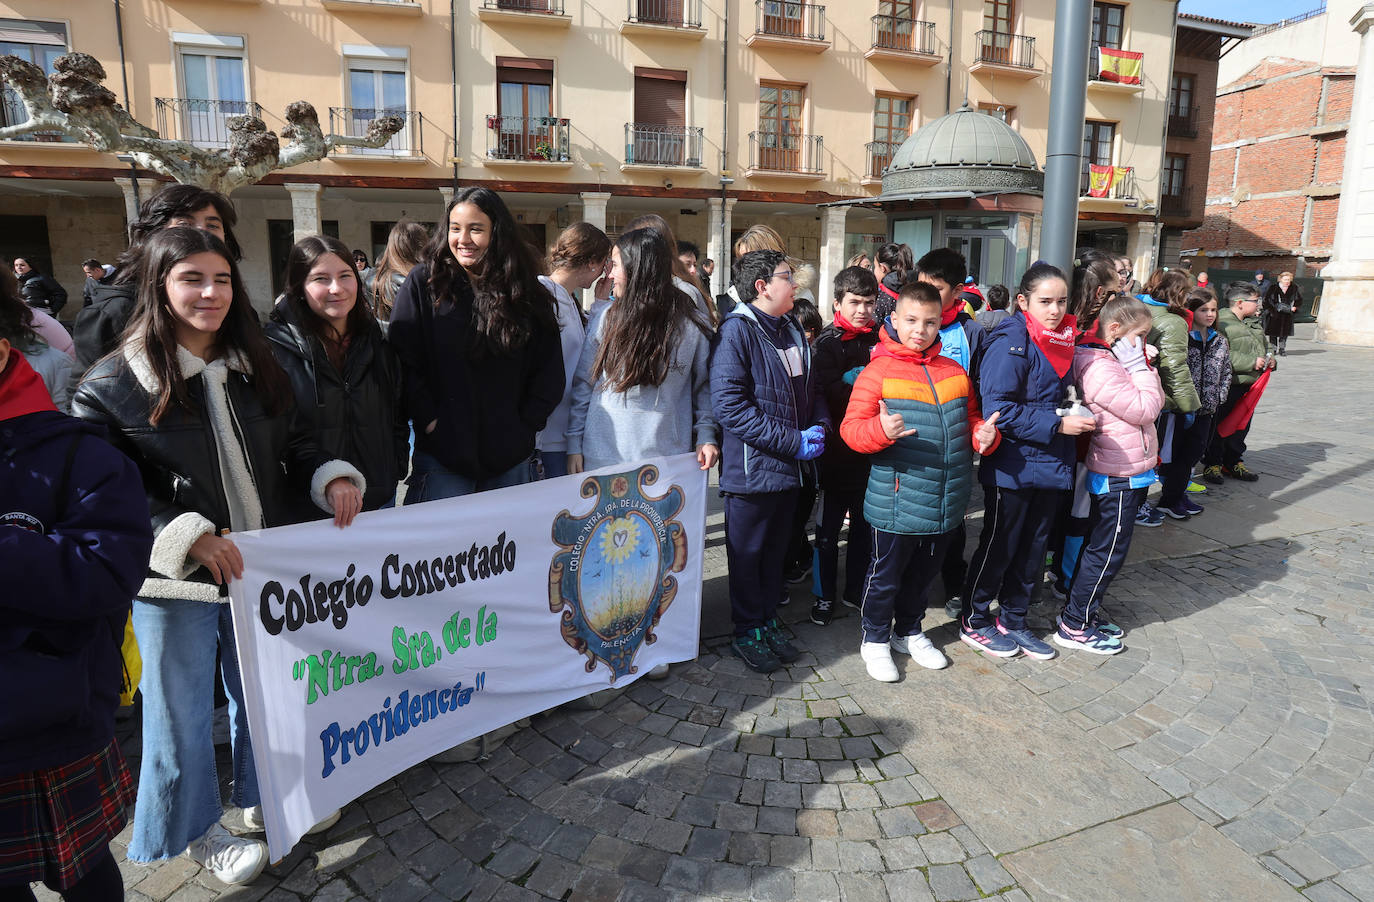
point(1244, 695)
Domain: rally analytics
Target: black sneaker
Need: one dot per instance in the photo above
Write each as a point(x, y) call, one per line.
point(754, 650)
point(1240, 471)
point(797, 573)
point(822, 612)
point(785, 651)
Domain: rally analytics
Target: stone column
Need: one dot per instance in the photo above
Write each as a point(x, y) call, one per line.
point(1140, 247)
point(717, 238)
point(1347, 309)
point(131, 198)
point(594, 207)
point(832, 257)
point(305, 209)
point(447, 194)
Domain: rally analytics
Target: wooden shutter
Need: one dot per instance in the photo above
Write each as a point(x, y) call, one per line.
point(660, 96)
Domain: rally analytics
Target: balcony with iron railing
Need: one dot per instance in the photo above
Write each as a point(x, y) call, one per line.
point(525, 12)
point(905, 39)
point(1010, 55)
point(1113, 76)
point(879, 156)
point(541, 140)
point(353, 122)
point(784, 24)
point(655, 147)
point(795, 156)
point(1176, 204)
point(204, 123)
point(1123, 187)
point(1183, 122)
point(681, 18)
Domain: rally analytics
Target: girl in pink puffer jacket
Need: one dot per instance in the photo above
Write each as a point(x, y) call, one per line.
point(1124, 394)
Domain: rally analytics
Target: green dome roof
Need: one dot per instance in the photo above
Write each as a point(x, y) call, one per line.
point(984, 152)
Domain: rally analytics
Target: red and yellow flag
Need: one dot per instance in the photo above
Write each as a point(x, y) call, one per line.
point(1100, 179)
point(1120, 66)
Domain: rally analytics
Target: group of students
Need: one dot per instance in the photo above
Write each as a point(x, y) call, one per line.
point(1076, 403)
point(460, 365)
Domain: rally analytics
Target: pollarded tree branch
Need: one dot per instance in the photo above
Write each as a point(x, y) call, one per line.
point(75, 103)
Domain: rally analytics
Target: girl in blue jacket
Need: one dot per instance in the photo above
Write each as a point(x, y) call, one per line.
point(1024, 379)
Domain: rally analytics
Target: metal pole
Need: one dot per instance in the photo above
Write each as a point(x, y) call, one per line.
point(1063, 156)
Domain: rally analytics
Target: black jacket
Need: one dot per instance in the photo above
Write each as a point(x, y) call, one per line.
point(354, 415)
point(98, 326)
point(489, 405)
point(42, 291)
point(183, 476)
point(833, 357)
point(74, 544)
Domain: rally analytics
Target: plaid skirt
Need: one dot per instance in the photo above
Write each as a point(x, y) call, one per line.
point(54, 823)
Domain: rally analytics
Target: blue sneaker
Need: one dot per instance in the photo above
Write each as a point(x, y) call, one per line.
point(1192, 507)
point(1026, 641)
point(988, 639)
point(1105, 626)
point(1148, 515)
point(1091, 640)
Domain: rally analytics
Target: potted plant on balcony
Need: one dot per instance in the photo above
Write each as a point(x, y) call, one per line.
point(493, 122)
point(543, 150)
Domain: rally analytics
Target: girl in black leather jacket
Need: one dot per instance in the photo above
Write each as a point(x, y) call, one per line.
point(195, 398)
point(345, 378)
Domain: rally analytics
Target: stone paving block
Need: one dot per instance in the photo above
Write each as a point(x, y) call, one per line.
point(594, 886)
point(902, 853)
point(949, 883)
point(1292, 877)
point(817, 823)
point(768, 884)
point(763, 767)
point(901, 821)
point(731, 881)
point(375, 873)
point(908, 886)
point(858, 824)
point(862, 888)
point(968, 840)
point(789, 851)
point(708, 844)
point(685, 873)
point(732, 816)
point(777, 820)
point(646, 864)
point(748, 848)
point(859, 795)
point(722, 788)
point(859, 856)
point(816, 886)
point(669, 836)
point(1326, 891)
point(751, 792)
point(799, 770)
point(941, 848)
point(989, 874)
point(937, 815)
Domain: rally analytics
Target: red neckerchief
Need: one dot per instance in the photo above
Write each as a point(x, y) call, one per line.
point(950, 314)
point(22, 390)
point(1056, 346)
point(847, 329)
point(890, 346)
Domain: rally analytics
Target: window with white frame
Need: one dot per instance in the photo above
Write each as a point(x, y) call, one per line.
point(213, 75)
point(40, 43)
point(378, 85)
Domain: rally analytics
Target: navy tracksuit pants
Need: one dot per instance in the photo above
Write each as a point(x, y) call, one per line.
point(836, 502)
point(1188, 447)
point(901, 572)
point(1112, 516)
point(1010, 555)
point(1227, 451)
point(758, 528)
point(954, 571)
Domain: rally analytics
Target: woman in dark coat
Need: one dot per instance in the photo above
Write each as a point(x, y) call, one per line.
point(1281, 303)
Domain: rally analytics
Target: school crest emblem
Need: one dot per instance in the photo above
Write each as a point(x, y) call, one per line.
point(611, 579)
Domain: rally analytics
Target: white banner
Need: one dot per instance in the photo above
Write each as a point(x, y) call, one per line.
point(367, 650)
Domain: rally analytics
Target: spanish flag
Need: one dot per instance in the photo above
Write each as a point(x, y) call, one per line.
point(1100, 179)
point(1120, 66)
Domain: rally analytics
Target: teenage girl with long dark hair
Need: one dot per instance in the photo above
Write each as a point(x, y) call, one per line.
point(195, 398)
point(478, 341)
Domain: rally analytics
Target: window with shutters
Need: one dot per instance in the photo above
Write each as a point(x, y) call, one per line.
point(892, 121)
point(1175, 174)
point(1098, 138)
point(997, 16)
point(780, 126)
point(524, 106)
point(1108, 25)
point(658, 135)
point(40, 43)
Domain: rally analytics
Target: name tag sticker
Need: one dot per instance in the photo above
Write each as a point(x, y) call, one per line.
point(791, 360)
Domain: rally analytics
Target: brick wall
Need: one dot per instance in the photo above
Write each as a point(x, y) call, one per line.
point(1282, 165)
point(1340, 93)
point(1330, 159)
point(1322, 232)
point(1227, 118)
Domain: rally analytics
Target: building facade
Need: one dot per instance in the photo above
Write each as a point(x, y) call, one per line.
point(715, 113)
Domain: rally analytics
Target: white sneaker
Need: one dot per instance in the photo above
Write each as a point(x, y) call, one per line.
point(878, 659)
point(234, 860)
point(252, 819)
point(658, 672)
point(922, 651)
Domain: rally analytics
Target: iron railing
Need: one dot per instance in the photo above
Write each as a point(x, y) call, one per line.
point(1000, 49)
point(353, 122)
point(201, 122)
point(662, 145)
point(1175, 204)
point(1123, 186)
point(682, 13)
point(785, 19)
point(551, 7)
point(14, 113)
point(902, 33)
point(538, 138)
point(1291, 20)
point(879, 155)
point(778, 152)
point(1183, 123)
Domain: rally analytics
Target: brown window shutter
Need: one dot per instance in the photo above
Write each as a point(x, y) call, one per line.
point(660, 97)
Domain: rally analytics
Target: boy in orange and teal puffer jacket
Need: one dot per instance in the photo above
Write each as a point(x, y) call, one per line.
point(916, 413)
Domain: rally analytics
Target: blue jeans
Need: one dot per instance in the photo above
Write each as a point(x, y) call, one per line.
point(430, 480)
point(178, 785)
point(555, 464)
